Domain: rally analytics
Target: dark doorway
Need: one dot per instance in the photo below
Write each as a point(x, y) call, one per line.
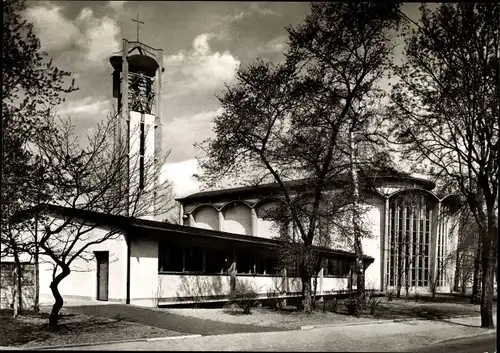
point(102, 274)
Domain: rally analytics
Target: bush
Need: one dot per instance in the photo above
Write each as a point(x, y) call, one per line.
point(334, 306)
point(390, 295)
point(352, 304)
point(277, 301)
point(372, 302)
point(244, 298)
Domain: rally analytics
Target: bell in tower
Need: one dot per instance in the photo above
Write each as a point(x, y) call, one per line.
point(137, 90)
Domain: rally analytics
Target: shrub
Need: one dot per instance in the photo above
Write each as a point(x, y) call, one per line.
point(244, 297)
point(277, 301)
point(334, 305)
point(372, 302)
point(390, 295)
point(352, 305)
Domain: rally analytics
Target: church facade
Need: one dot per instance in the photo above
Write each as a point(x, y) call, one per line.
point(154, 263)
point(411, 230)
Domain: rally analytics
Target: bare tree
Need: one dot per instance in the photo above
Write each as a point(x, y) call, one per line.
point(446, 109)
point(87, 178)
point(289, 121)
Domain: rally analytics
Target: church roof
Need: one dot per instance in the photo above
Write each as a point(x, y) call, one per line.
point(373, 178)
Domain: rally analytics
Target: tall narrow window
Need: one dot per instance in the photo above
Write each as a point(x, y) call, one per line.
point(141, 157)
point(409, 241)
point(441, 248)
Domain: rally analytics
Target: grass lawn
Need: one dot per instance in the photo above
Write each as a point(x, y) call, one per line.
point(31, 330)
point(442, 307)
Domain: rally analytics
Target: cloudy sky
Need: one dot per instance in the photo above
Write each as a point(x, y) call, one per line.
point(203, 43)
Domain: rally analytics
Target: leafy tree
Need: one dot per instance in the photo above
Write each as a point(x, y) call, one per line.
point(298, 120)
point(346, 48)
point(31, 88)
point(446, 112)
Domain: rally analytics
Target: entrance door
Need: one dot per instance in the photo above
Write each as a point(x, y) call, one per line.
point(102, 274)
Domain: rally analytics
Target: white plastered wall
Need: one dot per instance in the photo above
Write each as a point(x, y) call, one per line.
point(206, 217)
point(373, 220)
point(134, 148)
point(81, 283)
point(143, 270)
point(266, 229)
point(237, 219)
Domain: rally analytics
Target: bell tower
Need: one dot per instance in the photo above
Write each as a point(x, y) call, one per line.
point(137, 90)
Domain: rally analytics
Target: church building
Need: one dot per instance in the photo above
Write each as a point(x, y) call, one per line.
point(154, 263)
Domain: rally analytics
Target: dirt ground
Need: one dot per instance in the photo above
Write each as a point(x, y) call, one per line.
point(31, 330)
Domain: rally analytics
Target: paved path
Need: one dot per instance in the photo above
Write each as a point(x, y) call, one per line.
point(394, 336)
point(167, 320)
point(478, 344)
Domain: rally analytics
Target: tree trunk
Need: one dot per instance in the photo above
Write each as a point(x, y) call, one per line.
point(314, 291)
point(487, 271)
point(15, 297)
point(18, 295)
point(475, 280)
point(399, 279)
point(306, 292)
point(456, 280)
point(18, 300)
point(36, 305)
point(19, 285)
point(37, 270)
point(356, 223)
point(464, 280)
point(59, 302)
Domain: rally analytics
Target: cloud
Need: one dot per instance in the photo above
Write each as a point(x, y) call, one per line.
point(254, 9)
point(89, 106)
point(88, 39)
point(182, 132)
point(199, 69)
point(181, 174)
point(116, 5)
point(275, 45)
point(54, 31)
point(98, 38)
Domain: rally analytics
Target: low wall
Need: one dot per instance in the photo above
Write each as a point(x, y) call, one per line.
point(330, 284)
point(7, 285)
point(213, 288)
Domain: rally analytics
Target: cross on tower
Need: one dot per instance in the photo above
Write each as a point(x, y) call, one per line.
point(138, 23)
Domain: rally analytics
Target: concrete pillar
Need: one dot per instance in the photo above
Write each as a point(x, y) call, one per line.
point(232, 277)
point(255, 222)
point(320, 279)
point(192, 223)
point(221, 220)
point(284, 287)
point(181, 214)
point(385, 252)
point(435, 235)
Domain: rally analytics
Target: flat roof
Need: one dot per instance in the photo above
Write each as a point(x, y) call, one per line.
point(104, 220)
